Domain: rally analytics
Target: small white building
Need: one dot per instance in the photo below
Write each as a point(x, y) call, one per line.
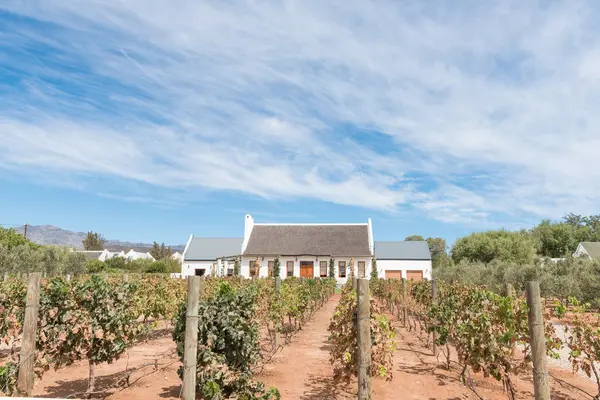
point(177, 256)
point(588, 250)
point(403, 259)
point(306, 250)
point(138, 255)
point(210, 256)
point(101, 255)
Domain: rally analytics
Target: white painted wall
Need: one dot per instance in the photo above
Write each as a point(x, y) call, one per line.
point(264, 265)
point(189, 268)
point(404, 265)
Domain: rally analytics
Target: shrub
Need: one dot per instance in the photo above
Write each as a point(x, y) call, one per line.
point(157, 267)
point(95, 266)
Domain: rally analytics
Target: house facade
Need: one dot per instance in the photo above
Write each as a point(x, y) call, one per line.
point(306, 250)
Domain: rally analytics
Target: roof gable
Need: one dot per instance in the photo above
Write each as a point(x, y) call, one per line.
point(201, 248)
point(402, 250)
point(313, 239)
point(592, 248)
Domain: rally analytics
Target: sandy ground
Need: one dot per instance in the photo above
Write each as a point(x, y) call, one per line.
point(300, 370)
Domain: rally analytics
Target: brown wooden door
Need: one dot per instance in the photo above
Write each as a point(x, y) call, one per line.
point(307, 269)
point(414, 275)
point(391, 274)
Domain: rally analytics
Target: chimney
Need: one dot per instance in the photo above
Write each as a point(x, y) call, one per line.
point(371, 242)
point(248, 225)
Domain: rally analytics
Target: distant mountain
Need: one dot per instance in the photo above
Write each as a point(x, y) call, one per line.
point(53, 235)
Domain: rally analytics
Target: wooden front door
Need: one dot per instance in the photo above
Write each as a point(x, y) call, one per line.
point(307, 269)
point(392, 274)
point(414, 275)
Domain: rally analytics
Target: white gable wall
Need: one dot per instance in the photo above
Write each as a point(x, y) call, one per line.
point(580, 252)
point(405, 265)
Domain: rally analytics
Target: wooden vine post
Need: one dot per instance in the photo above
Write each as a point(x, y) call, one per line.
point(190, 352)
point(277, 333)
point(27, 354)
point(5, 276)
point(537, 340)
point(125, 278)
point(364, 340)
point(433, 300)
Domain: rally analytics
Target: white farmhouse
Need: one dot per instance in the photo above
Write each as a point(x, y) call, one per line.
point(210, 256)
point(305, 250)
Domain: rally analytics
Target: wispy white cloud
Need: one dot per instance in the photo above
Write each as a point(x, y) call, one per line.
point(263, 99)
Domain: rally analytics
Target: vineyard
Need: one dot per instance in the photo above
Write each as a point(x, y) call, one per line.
point(98, 318)
point(246, 326)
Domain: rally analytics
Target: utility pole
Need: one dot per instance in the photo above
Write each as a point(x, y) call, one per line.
point(25, 232)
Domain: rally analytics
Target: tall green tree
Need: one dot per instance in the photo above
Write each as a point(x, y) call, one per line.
point(276, 267)
point(374, 272)
point(93, 241)
point(331, 268)
point(236, 267)
point(160, 252)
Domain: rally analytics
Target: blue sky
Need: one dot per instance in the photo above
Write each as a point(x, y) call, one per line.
point(153, 120)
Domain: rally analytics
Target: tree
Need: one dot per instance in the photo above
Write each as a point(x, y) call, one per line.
point(556, 239)
point(74, 263)
point(518, 247)
point(414, 238)
point(236, 267)
point(331, 268)
point(160, 252)
point(276, 267)
point(93, 241)
point(11, 238)
point(374, 272)
point(437, 246)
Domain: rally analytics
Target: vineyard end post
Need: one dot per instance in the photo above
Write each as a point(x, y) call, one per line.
point(27, 354)
point(433, 301)
point(68, 277)
point(190, 352)
point(404, 311)
point(125, 278)
point(5, 276)
point(508, 290)
point(541, 388)
point(277, 333)
point(364, 340)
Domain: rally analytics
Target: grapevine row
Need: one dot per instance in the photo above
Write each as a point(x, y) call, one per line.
point(97, 318)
